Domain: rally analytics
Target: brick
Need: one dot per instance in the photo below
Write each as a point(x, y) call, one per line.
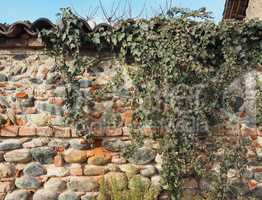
point(62, 132)
point(125, 131)
point(44, 131)
point(112, 132)
point(27, 131)
point(127, 117)
point(6, 187)
point(76, 170)
point(73, 133)
point(9, 131)
point(252, 184)
point(21, 95)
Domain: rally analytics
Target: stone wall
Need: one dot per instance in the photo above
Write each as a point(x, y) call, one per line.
point(41, 158)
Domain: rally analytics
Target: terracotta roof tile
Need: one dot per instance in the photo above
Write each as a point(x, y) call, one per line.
point(19, 28)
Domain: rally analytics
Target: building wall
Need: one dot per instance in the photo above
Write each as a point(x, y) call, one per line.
point(254, 9)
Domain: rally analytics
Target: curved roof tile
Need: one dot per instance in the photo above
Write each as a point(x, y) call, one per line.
point(20, 28)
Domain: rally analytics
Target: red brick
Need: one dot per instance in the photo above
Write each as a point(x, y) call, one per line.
point(127, 117)
point(112, 132)
point(252, 184)
point(44, 131)
point(21, 95)
point(56, 100)
point(6, 187)
point(62, 132)
point(9, 131)
point(27, 131)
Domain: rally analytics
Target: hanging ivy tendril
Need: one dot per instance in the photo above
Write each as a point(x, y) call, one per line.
point(184, 63)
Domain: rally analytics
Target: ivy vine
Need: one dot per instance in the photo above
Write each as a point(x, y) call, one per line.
point(185, 62)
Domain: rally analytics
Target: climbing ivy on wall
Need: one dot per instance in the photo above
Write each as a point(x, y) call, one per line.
point(185, 64)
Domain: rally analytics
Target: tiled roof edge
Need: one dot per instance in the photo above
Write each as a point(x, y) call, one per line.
point(31, 29)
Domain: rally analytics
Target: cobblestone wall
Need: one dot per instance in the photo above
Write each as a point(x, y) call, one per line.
point(41, 158)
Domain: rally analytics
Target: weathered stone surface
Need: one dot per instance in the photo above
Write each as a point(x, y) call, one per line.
point(36, 142)
point(2, 156)
point(89, 196)
point(44, 155)
point(75, 156)
point(18, 195)
point(82, 184)
point(98, 160)
point(119, 177)
point(57, 171)
point(68, 195)
point(76, 169)
point(30, 102)
point(156, 181)
point(51, 108)
point(142, 156)
point(58, 121)
point(79, 144)
point(148, 171)
point(58, 143)
point(55, 184)
point(114, 145)
point(19, 155)
point(84, 83)
point(129, 169)
point(34, 169)
point(258, 177)
point(27, 182)
point(3, 78)
point(60, 92)
point(4, 102)
point(45, 195)
point(118, 159)
point(40, 119)
point(6, 170)
point(139, 180)
point(112, 167)
point(6, 186)
point(93, 170)
point(10, 144)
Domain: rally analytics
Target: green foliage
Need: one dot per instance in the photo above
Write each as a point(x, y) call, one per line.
point(138, 192)
point(64, 43)
point(186, 62)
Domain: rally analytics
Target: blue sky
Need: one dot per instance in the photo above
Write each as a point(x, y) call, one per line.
point(14, 10)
